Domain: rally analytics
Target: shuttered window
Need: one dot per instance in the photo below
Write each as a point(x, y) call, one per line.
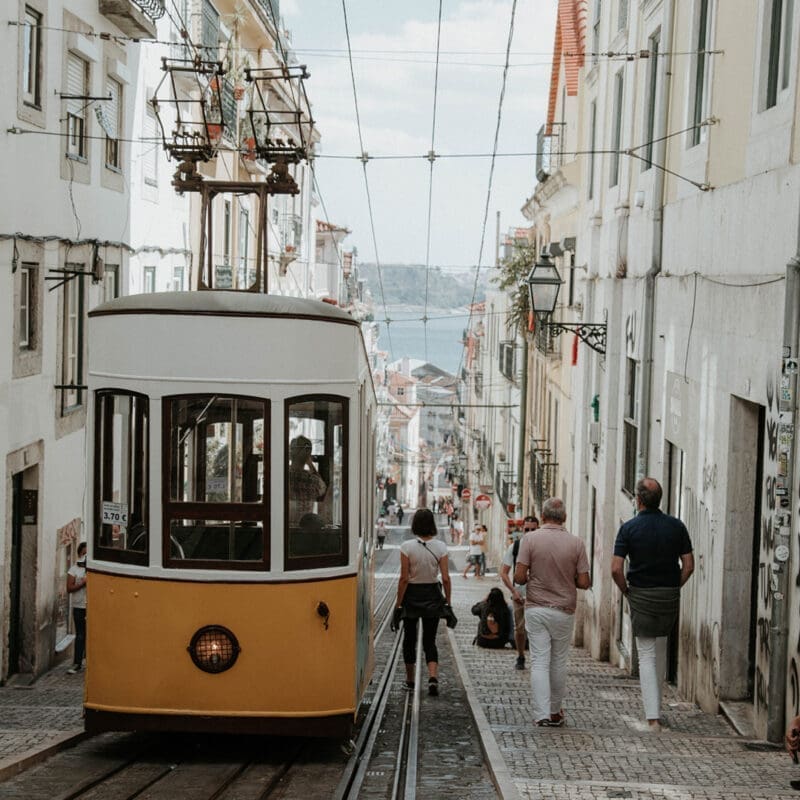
point(32, 58)
point(210, 31)
point(112, 113)
point(151, 146)
point(77, 90)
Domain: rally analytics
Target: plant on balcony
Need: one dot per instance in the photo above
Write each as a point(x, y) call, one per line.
point(513, 272)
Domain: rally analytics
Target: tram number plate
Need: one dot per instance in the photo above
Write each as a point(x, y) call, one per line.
point(115, 513)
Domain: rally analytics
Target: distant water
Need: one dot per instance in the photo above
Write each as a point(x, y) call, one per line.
point(445, 333)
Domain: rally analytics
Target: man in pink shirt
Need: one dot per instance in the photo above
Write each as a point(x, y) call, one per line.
point(554, 564)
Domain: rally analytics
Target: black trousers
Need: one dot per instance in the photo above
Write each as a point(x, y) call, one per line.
point(429, 627)
point(79, 618)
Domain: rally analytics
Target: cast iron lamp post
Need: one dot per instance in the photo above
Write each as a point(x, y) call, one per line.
point(543, 285)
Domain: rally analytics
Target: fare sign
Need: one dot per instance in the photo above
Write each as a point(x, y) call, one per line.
point(482, 502)
point(115, 513)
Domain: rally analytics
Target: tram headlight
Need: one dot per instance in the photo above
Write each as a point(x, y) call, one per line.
point(214, 649)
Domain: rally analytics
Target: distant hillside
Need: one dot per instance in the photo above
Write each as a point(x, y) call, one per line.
point(404, 284)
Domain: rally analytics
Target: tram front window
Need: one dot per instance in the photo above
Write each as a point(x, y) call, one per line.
point(316, 468)
point(121, 476)
point(216, 505)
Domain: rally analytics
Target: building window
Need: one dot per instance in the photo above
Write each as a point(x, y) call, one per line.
point(122, 475)
point(700, 84)
point(226, 232)
point(507, 360)
point(630, 429)
point(778, 42)
point(215, 503)
point(72, 355)
point(316, 482)
point(149, 283)
point(616, 130)
point(152, 143)
point(110, 282)
point(112, 123)
point(598, 8)
point(27, 301)
point(652, 98)
point(77, 92)
point(592, 146)
point(247, 277)
point(32, 58)
point(622, 15)
point(177, 279)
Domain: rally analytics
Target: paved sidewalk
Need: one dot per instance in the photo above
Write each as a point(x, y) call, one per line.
point(605, 749)
point(39, 719)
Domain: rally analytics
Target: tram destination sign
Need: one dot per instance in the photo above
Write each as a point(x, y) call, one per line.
point(115, 513)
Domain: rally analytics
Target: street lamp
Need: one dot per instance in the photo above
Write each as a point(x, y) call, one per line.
point(543, 284)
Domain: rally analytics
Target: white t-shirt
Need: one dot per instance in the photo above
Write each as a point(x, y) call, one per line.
point(475, 543)
point(508, 561)
point(423, 567)
point(78, 598)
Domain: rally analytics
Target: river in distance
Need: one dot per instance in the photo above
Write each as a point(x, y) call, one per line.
point(444, 340)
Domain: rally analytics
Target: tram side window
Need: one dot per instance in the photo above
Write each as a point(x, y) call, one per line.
point(121, 477)
point(216, 507)
point(316, 482)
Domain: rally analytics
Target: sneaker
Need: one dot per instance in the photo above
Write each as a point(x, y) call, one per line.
point(74, 670)
point(557, 720)
point(520, 662)
point(433, 687)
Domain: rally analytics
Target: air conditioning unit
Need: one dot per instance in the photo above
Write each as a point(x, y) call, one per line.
point(594, 434)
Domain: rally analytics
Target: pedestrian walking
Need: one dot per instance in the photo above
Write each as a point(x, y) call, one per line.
point(423, 561)
point(456, 530)
point(400, 514)
point(474, 552)
point(553, 564)
point(380, 530)
point(76, 587)
point(660, 561)
point(484, 543)
point(529, 524)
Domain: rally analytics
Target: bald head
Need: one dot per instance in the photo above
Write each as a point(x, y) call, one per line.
point(649, 493)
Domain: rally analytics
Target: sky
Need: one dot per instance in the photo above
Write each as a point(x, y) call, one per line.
point(394, 54)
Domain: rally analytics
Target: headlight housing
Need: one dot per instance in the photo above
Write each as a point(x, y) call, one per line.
point(214, 649)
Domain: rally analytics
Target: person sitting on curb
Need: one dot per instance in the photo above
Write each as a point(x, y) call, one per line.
point(494, 627)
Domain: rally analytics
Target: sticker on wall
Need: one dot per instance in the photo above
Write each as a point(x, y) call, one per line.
point(781, 553)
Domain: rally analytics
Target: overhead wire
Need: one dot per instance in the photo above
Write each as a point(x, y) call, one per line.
point(364, 160)
point(491, 168)
point(431, 159)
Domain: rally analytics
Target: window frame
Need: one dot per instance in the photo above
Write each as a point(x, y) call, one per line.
point(26, 337)
point(699, 99)
point(778, 25)
point(324, 561)
point(32, 58)
point(651, 98)
point(630, 427)
point(110, 278)
point(77, 121)
point(110, 553)
point(152, 139)
point(69, 352)
point(616, 127)
point(113, 145)
point(222, 512)
point(148, 280)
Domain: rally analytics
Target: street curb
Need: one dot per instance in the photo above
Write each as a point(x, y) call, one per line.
point(501, 776)
point(13, 765)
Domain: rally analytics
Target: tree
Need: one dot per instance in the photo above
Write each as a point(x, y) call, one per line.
point(512, 280)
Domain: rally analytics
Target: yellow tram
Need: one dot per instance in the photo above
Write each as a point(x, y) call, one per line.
point(230, 520)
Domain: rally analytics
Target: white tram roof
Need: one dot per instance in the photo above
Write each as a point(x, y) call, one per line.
point(222, 303)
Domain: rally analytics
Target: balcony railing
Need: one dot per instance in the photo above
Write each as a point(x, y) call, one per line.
point(505, 483)
point(549, 155)
point(543, 476)
point(133, 17)
point(545, 342)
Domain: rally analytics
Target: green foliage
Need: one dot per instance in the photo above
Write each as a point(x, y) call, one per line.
point(513, 272)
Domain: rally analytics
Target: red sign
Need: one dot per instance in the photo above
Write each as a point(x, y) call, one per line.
point(466, 494)
point(482, 502)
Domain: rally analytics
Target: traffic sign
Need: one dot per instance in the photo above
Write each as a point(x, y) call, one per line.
point(466, 494)
point(482, 502)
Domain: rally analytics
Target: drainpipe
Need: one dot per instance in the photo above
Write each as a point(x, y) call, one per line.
point(782, 554)
point(523, 408)
point(648, 332)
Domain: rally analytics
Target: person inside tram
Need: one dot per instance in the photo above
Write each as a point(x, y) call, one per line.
point(306, 485)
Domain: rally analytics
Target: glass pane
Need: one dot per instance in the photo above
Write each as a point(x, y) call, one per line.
point(315, 476)
point(216, 540)
point(217, 446)
point(123, 458)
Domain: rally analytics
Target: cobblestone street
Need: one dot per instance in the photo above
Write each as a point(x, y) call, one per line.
point(604, 751)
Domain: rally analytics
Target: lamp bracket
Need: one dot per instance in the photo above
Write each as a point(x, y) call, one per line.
point(593, 334)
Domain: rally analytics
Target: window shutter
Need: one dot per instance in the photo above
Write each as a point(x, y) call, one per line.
point(112, 109)
point(210, 31)
point(76, 85)
point(152, 143)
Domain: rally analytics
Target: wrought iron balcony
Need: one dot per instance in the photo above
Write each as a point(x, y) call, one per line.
point(133, 17)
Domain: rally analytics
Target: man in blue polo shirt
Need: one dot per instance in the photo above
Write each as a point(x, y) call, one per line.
point(660, 562)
